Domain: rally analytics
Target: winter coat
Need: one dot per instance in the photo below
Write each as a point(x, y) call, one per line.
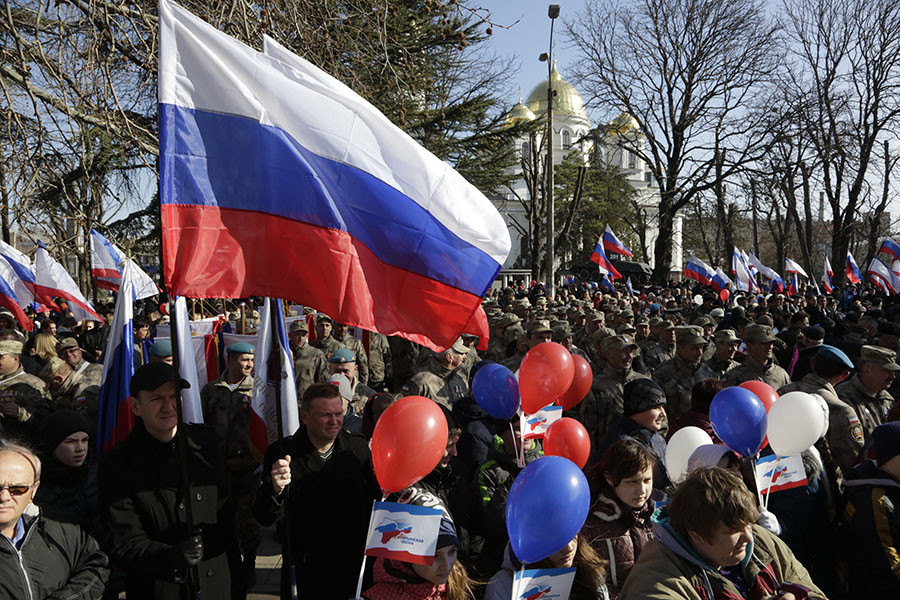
point(669, 568)
point(55, 561)
point(69, 495)
point(394, 580)
point(329, 504)
point(618, 533)
point(871, 531)
point(140, 499)
point(627, 429)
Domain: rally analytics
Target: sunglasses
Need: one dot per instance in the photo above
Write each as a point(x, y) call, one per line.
point(16, 490)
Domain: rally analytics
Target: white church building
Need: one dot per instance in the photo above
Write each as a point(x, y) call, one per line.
point(572, 132)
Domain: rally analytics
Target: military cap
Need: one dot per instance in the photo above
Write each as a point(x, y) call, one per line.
point(321, 317)
point(642, 321)
point(508, 319)
point(835, 355)
point(618, 342)
point(625, 328)
point(640, 395)
point(717, 313)
point(654, 322)
point(49, 371)
point(759, 333)
point(240, 348)
point(561, 332)
point(10, 347)
point(690, 334)
point(298, 325)
point(516, 329)
point(341, 356)
point(458, 347)
point(558, 323)
point(596, 315)
point(880, 356)
point(726, 335)
point(813, 332)
point(600, 334)
point(666, 325)
point(66, 343)
point(161, 348)
point(523, 302)
point(889, 328)
point(704, 321)
point(537, 327)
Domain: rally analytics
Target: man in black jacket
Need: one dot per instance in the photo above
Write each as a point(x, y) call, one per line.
point(41, 558)
point(322, 475)
point(143, 503)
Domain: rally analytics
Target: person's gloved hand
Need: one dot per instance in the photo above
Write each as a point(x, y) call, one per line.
point(188, 552)
point(769, 521)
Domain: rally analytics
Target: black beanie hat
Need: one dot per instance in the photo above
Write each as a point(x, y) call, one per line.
point(58, 426)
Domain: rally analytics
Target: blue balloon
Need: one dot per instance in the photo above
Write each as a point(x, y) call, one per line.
point(496, 390)
point(739, 419)
point(546, 507)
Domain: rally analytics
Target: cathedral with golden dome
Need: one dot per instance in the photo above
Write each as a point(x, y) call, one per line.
point(574, 132)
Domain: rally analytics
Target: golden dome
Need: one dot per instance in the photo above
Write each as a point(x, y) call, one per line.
point(568, 100)
point(519, 113)
point(623, 124)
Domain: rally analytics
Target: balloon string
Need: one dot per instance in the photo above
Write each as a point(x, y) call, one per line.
point(769, 484)
point(759, 495)
point(515, 445)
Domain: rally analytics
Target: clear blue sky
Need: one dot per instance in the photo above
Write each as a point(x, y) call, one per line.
point(528, 38)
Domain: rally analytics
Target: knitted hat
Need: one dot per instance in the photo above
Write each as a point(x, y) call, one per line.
point(58, 426)
point(642, 394)
point(886, 442)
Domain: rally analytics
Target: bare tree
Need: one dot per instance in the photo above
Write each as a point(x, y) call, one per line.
point(687, 71)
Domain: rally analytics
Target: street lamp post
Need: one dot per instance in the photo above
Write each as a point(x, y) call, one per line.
point(552, 12)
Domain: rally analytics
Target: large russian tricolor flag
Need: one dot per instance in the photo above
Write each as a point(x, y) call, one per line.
point(700, 271)
point(114, 419)
point(52, 280)
point(612, 243)
point(606, 267)
point(277, 180)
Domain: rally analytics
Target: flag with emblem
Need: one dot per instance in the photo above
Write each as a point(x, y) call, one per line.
point(543, 584)
point(404, 532)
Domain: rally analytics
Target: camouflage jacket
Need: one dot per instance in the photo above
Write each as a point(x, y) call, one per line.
point(437, 383)
point(603, 405)
point(310, 367)
point(751, 369)
point(657, 354)
point(677, 377)
point(362, 360)
point(715, 368)
point(871, 409)
point(379, 357)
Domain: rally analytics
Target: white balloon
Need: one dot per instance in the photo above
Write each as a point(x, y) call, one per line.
point(679, 450)
point(796, 422)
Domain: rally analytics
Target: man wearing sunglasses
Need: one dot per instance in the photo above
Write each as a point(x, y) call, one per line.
point(41, 558)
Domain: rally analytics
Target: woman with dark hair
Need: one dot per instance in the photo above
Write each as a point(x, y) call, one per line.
point(702, 395)
point(590, 571)
point(619, 524)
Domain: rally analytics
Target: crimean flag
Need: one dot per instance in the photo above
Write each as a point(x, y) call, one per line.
point(606, 267)
point(404, 532)
point(791, 266)
point(272, 339)
point(269, 166)
point(24, 270)
point(853, 273)
point(115, 419)
point(52, 280)
point(8, 298)
point(612, 244)
point(881, 275)
point(827, 282)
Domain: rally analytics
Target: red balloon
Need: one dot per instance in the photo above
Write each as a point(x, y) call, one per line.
point(581, 384)
point(545, 375)
point(409, 441)
point(766, 394)
point(568, 438)
point(724, 295)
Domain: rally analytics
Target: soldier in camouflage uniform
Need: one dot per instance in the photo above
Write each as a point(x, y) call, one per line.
point(226, 408)
point(342, 334)
point(844, 438)
point(760, 362)
point(722, 361)
point(656, 354)
point(344, 361)
point(379, 362)
point(310, 364)
point(709, 326)
point(562, 334)
point(82, 385)
point(439, 378)
point(503, 336)
point(404, 357)
point(603, 405)
point(24, 399)
point(582, 337)
point(677, 376)
point(470, 342)
point(652, 338)
point(866, 392)
point(324, 340)
point(536, 332)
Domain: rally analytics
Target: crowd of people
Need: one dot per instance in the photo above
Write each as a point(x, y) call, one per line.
point(176, 510)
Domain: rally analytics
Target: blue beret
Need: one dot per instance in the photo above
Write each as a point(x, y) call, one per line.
point(161, 348)
point(241, 348)
point(835, 355)
point(341, 356)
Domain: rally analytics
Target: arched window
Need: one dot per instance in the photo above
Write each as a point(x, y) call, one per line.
point(566, 139)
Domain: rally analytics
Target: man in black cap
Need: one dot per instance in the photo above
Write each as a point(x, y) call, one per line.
point(143, 502)
point(809, 340)
point(644, 417)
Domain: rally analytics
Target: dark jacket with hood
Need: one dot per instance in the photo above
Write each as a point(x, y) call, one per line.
point(56, 561)
point(628, 429)
point(871, 531)
point(670, 568)
point(618, 533)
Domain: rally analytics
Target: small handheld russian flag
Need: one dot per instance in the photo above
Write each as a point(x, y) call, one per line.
point(853, 273)
point(612, 243)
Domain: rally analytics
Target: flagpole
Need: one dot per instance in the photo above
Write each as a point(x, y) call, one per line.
point(275, 363)
point(193, 580)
